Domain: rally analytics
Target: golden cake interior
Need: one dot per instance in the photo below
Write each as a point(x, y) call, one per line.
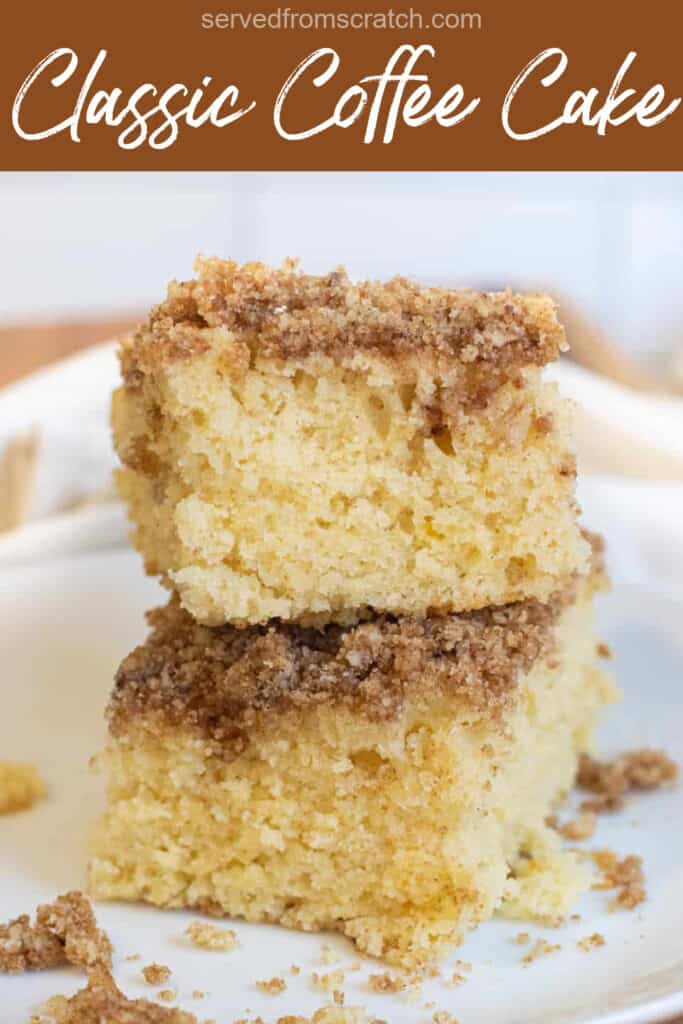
point(389, 779)
point(299, 446)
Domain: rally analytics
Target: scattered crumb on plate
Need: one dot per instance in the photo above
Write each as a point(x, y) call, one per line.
point(611, 781)
point(20, 786)
point(64, 932)
point(210, 936)
point(626, 875)
point(327, 982)
point(273, 987)
point(540, 948)
point(156, 974)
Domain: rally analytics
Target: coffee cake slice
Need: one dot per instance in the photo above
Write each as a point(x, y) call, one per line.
point(388, 778)
point(297, 445)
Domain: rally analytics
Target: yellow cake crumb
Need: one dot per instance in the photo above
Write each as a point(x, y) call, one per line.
point(540, 948)
point(591, 942)
point(20, 786)
point(167, 994)
point(273, 987)
point(209, 936)
point(387, 983)
point(327, 982)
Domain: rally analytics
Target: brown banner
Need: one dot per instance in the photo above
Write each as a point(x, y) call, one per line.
point(456, 85)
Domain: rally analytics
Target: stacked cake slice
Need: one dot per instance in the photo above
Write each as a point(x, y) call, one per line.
point(377, 668)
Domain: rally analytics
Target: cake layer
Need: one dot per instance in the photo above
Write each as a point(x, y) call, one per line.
point(389, 779)
point(297, 445)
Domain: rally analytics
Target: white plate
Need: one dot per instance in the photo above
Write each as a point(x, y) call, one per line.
point(65, 626)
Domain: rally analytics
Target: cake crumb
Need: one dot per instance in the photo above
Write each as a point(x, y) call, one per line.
point(463, 965)
point(20, 786)
point(210, 936)
point(521, 938)
point(328, 956)
point(387, 983)
point(65, 932)
point(167, 994)
point(444, 1017)
point(273, 987)
point(582, 827)
point(611, 781)
point(198, 994)
point(540, 948)
point(295, 969)
point(591, 942)
point(457, 978)
point(156, 974)
point(133, 956)
point(327, 982)
point(338, 997)
point(626, 875)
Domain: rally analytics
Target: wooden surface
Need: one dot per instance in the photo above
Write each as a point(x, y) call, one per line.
point(25, 348)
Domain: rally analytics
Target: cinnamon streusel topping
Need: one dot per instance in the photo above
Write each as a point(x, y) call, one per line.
point(218, 680)
point(283, 314)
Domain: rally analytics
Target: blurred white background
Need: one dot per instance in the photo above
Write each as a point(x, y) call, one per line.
point(85, 244)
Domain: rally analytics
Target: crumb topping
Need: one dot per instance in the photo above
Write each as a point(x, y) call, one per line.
point(216, 681)
point(64, 932)
point(102, 1001)
point(284, 313)
point(611, 781)
point(20, 786)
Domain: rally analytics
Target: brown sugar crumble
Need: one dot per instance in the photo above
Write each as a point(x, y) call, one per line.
point(591, 942)
point(370, 666)
point(20, 786)
point(101, 1001)
point(273, 987)
point(156, 974)
point(626, 875)
point(210, 936)
point(64, 932)
point(285, 314)
point(612, 781)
